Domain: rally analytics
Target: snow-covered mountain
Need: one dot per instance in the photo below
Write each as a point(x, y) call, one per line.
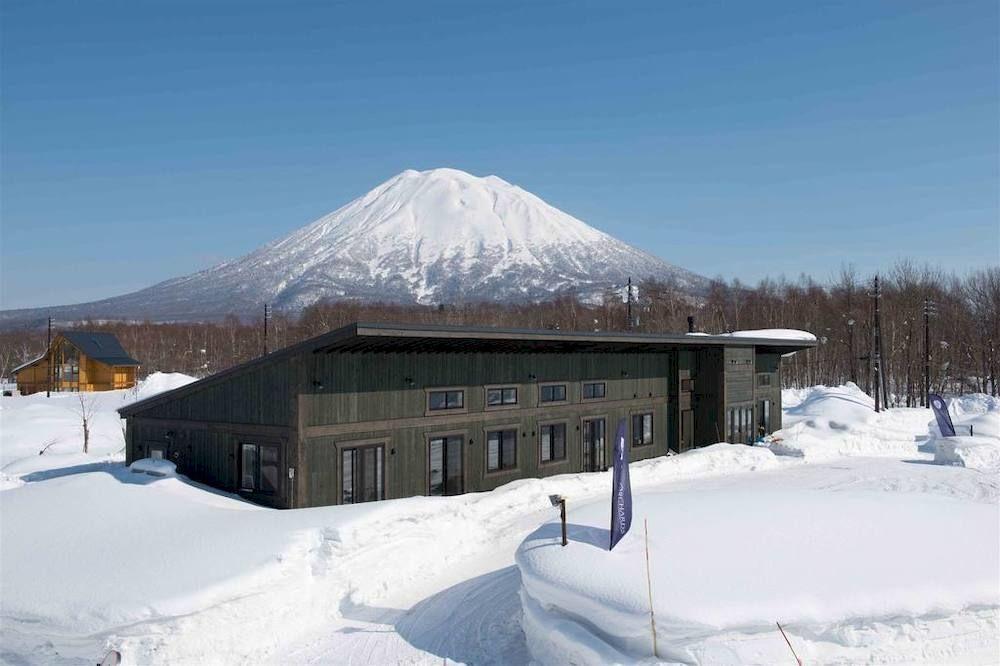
point(438, 236)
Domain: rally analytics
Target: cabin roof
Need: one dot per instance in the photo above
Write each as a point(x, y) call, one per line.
point(102, 347)
point(381, 337)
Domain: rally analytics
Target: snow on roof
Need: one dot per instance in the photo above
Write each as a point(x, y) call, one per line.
point(774, 334)
point(25, 365)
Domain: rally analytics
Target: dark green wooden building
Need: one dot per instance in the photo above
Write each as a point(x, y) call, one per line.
point(377, 411)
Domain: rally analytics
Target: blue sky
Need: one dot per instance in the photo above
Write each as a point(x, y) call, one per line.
point(145, 140)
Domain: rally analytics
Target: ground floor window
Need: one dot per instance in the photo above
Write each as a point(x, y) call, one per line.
point(445, 465)
point(259, 468)
point(764, 418)
point(642, 430)
point(552, 442)
point(501, 450)
point(361, 474)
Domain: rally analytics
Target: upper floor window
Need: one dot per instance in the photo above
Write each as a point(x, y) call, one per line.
point(449, 399)
point(687, 384)
point(763, 379)
point(552, 393)
point(593, 390)
point(501, 396)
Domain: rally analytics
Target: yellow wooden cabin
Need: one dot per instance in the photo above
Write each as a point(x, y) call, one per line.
point(79, 361)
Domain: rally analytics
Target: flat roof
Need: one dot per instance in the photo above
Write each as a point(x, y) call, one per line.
point(361, 337)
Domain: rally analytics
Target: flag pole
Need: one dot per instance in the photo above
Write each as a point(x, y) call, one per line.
point(785, 636)
point(649, 588)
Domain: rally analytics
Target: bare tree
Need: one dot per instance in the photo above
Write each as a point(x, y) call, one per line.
point(85, 410)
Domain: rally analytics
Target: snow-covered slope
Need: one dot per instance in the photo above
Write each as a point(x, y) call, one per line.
point(428, 237)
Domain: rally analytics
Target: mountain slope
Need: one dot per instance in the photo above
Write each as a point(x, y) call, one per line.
point(438, 236)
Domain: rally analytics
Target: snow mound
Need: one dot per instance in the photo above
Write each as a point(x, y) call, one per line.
point(980, 453)
point(159, 382)
point(824, 422)
point(735, 560)
point(154, 467)
point(775, 334)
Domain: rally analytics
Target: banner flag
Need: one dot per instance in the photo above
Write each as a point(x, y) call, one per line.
point(621, 490)
point(942, 415)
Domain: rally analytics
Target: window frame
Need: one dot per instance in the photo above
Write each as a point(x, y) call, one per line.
point(652, 429)
point(553, 460)
point(502, 388)
point(428, 411)
point(545, 385)
point(258, 467)
point(486, 449)
point(445, 435)
point(583, 390)
point(356, 445)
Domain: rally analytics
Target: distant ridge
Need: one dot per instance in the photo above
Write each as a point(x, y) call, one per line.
point(437, 236)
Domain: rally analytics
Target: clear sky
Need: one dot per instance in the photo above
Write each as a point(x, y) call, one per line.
point(145, 140)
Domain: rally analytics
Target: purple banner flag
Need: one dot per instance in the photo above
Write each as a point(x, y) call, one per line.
point(941, 414)
point(621, 490)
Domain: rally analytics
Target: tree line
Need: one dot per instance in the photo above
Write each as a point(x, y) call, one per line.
point(963, 315)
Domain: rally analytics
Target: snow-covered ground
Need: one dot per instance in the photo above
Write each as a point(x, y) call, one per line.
point(94, 556)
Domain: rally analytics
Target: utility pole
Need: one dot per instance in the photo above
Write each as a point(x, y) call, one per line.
point(629, 299)
point(877, 347)
point(925, 399)
point(48, 354)
point(267, 316)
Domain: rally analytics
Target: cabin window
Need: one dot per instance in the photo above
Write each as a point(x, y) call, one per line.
point(552, 442)
point(764, 420)
point(501, 450)
point(642, 430)
point(594, 390)
point(687, 385)
point(552, 393)
point(501, 396)
point(259, 468)
point(156, 452)
point(442, 400)
point(362, 474)
point(763, 379)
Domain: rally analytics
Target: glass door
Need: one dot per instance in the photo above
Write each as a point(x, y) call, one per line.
point(593, 445)
point(445, 465)
point(361, 474)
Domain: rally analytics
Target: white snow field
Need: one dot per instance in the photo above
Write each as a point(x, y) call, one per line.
point(867, 559)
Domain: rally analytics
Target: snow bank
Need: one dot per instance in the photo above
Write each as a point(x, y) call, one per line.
point(734, 561)
point(824, 422)
point(39, 433)
point(980, 453)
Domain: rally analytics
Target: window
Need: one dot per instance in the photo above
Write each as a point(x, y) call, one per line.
point(642, 430)
point(764, 422)
point(441, 400)
point(156, 452)
point(552, 442)
point(763, 379)
point(687, 385)
point(501, 450)
point(594, 390)
point(361, 474)
point(501, 396)
point(552, 393)
point(445, 465)
point(259, 468)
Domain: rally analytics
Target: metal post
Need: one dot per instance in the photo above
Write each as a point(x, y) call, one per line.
point(562, 516)
point(48, 354)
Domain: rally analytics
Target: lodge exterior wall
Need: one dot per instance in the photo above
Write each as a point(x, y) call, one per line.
point(314, 405)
